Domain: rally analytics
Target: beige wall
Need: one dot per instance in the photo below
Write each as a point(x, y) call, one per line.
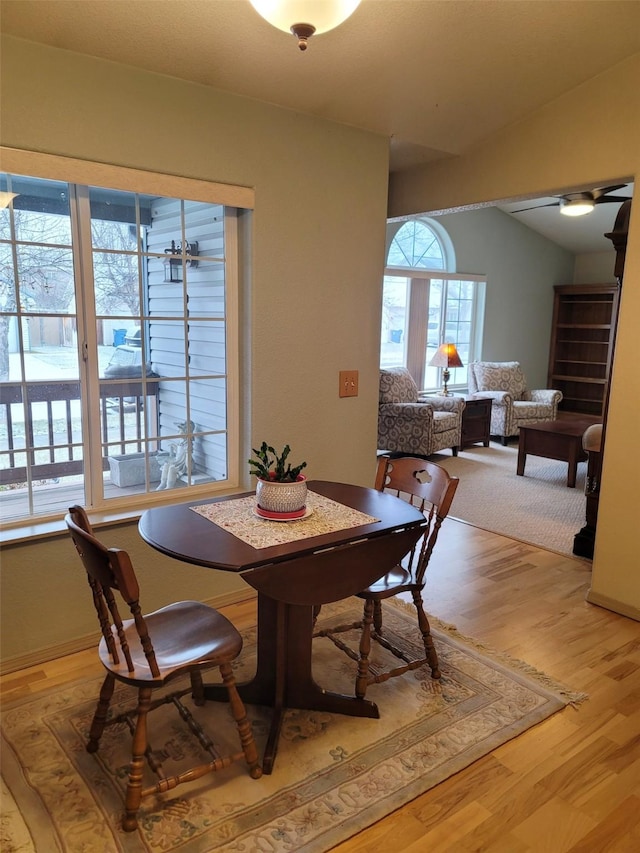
point(312, 309)
point(590, 137)
point(595, 268)
point(46, 606)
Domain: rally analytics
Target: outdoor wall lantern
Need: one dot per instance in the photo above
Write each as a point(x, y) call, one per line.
point(175, 256)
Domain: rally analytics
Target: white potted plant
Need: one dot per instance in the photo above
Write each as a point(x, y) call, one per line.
point(280, 487)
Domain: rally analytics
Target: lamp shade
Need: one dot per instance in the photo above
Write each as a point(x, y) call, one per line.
point(446, 356)
point(303, 18)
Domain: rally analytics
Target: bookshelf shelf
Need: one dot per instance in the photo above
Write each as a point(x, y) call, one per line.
point(582, 334)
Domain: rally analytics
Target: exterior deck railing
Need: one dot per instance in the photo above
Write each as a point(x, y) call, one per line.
point(117, 400)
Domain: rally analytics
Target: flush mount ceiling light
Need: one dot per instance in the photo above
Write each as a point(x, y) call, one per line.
point(303, 18)
point(577, 206)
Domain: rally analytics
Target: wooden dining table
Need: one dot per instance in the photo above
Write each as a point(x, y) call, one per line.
point(291, 578)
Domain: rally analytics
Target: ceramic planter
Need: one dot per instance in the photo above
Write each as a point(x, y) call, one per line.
point(282, 497)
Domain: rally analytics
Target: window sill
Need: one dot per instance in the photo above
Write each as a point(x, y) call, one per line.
point(51, 528)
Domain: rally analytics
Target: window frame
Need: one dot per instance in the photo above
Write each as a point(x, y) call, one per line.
point(418, 283)
point(416, 322)
point(80, 173)
point(438, 235)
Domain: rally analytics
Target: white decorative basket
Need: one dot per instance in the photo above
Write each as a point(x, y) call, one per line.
point(282, 497)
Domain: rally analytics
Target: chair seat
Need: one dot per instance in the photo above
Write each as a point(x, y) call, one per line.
point(397, 580)
point(513, 405)
point(184, 633)
point(413, 423)
point(430, 489)
point(445, 421)
point(145, 652)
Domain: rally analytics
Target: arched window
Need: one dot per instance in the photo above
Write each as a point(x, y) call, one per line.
point(418, 246)
point(429, 304)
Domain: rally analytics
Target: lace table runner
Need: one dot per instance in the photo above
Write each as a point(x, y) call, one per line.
point(238, 517)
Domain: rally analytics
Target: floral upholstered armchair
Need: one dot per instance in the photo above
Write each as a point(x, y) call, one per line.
point(513, 406)
point(415, 424)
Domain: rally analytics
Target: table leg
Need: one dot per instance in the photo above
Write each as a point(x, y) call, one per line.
point(301, 690)
point(522, 454)
point(573, 464)
point(280, 684)
point(284, 677)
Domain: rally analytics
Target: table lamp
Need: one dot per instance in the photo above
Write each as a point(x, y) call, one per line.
point(446, 356)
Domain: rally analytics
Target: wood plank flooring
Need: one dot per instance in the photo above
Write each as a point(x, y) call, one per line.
point(571, 783)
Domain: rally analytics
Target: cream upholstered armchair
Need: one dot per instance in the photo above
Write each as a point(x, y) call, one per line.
point(513, 406)
point(413, 424)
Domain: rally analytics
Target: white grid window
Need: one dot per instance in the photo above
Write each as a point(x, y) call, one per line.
point(423, 307)
point(118, 345)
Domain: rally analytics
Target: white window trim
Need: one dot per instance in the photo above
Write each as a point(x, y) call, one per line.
point(439, 232)
point(87, 173)
point(416, 350)
point(56, 168)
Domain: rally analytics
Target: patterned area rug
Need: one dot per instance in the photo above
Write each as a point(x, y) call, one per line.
point(333, 775)
point(537, 508)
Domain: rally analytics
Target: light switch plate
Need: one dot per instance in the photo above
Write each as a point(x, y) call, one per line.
point(348, 383)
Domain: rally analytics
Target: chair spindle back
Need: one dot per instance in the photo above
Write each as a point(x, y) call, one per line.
point(110, 569)
point(426, 486)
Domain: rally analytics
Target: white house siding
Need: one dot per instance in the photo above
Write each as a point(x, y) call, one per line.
point(190, 315)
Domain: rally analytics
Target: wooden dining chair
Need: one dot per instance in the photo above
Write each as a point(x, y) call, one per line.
point(149, 651)
point(431, 489)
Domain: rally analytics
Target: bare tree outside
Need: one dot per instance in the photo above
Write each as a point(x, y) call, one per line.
point(44, 274)
point(115, 272)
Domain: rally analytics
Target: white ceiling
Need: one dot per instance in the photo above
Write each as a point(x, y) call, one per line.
point(434, 76)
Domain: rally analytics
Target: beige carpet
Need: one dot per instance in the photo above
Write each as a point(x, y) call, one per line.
point(333, 775)
point(537, 508)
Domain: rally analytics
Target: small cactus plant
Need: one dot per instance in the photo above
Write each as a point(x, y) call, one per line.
point(266, 457)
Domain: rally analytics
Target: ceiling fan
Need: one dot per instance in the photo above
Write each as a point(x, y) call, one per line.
point(577, 204)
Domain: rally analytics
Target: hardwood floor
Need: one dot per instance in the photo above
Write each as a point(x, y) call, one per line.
point(572, 783)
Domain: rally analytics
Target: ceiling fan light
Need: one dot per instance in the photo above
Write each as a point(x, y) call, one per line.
point(303, 18)
point(576, 207)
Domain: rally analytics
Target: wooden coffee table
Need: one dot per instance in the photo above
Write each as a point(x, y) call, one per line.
point(560, 440)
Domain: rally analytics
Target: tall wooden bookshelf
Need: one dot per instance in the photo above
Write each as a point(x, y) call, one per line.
point(582, 336)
